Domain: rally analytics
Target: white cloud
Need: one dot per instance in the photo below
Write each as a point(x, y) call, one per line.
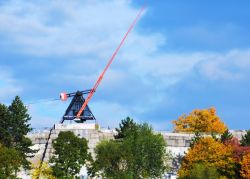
point(92, 28)
point(66, 28)
point(229, 66)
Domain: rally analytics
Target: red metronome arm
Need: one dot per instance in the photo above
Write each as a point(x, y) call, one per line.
point(109, 63)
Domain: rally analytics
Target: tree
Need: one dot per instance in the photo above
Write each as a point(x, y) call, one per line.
point(15, 127)
point(245, 141)
point(110, 159)
point(138, 154)
point(10, 162)
point(204, 120)
point(226, 136)
point(201, 171)
point(43, 172)
point(5, 127)
point(245, 166)
point(69, 156)
point(238, 153)
point(125, 128)
point(211, 153)
point(146, 153)
point(238, 150)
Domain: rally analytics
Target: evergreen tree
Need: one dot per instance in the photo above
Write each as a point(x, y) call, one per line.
point(126, 127)
point(15, 120)
point(245, 141)
point(5, 127)
point(226, 136)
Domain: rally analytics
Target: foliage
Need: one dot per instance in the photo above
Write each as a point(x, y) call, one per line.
point(238, 150)
point(110, 158)
point(245, 166)
point(43, 172)
point(226, 136)
point(204, 120)
point(211, 153)
point(69, 156)
point(10, 162)
point(139, 154)
point(201, 171)
point(5, 127)
point(14, 128)
point(125, 128)
point(245, 141)
point(195, 139)
point(238, 153)
point(146, 153)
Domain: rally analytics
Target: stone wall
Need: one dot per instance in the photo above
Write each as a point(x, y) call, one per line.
point(93, 136)
point(177, 143)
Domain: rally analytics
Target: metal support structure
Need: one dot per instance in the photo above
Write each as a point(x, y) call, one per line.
point(74, 107)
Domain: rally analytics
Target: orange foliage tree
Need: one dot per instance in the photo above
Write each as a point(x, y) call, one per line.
point(245, 166)
point(204, 120)
point(210, 153)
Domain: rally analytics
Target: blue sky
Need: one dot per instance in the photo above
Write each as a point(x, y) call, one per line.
point(180, 56)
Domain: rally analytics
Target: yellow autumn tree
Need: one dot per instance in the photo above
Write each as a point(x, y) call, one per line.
point(245, 166)
point(43, 172)
point(210, 153)
point(200, 120)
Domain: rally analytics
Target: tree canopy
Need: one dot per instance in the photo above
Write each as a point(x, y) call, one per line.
point(245, 166)
point(69, 156)
point(137, 153)
point(10, 162)
point(245, 141)
point(110, 160)
point(210, 153)
point(201, 171)
point(204, 120)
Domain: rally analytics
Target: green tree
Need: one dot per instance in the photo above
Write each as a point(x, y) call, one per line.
point(110, 159)
point(125, 128)
point(139, 154)
point(245, 141)
point(69, 156)
point(5, 127)
point(226, 136)
point(10, 162)
point(15, 126)
point(201, 171)
point(146, 153)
